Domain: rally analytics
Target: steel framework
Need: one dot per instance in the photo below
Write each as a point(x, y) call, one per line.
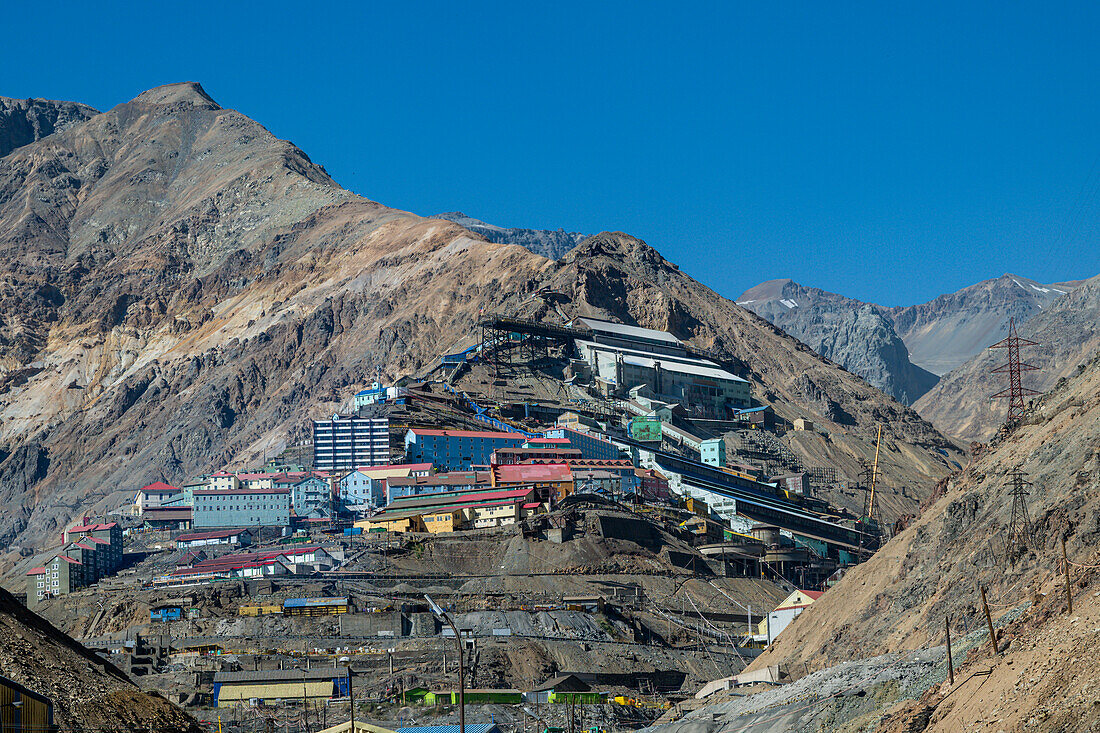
point(1016, 391)
point(1020, 524)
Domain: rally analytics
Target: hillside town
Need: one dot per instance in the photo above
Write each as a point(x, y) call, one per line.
point(624, 437)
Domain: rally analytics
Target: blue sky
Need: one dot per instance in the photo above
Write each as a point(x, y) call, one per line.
point(891, 154)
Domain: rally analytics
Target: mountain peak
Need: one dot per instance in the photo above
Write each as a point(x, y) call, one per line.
point(184, 92)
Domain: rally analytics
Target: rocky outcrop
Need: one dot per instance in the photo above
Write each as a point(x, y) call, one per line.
point(23, 121)
point(546, 242)
point(858, 336)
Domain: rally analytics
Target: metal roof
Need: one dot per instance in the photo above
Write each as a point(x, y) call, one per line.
point(624, 331)
point(280, 675)
point(313, 602)
point(699, 369)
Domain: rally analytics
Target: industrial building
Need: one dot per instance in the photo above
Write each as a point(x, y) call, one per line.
point(238, 537)
point(447, 512)
point(344, 442)
point(241, 508)
point(552, 482)
point(457, 450)
point(590, 446)
point(315, 686)
point(621, 358)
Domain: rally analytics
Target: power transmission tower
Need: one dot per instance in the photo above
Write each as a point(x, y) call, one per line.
point(1020, 524)
point(1016, 391)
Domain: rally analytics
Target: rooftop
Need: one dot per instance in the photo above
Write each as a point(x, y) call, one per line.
point(621, 330)
point(211, 535)
point(228, 492)
point(468, 434)
point(527, 472)
point(158, 486)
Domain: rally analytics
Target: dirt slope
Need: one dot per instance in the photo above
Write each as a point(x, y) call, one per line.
point(181, 291)
point(87, 693)
point(898, 600)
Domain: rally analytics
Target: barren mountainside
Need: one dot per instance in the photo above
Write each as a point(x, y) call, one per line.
point(22, 121)
point(1067, 333)
point(899, 599)
point(182, 291)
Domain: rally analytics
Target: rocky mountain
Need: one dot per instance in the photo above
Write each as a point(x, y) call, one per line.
point(1068, 333)
point(858, 336)
point(546, 242)
point(181, 291)
point(87, 692)
point(901, 350)
point(946, 331)
point(1043, 677)
point(22, 121)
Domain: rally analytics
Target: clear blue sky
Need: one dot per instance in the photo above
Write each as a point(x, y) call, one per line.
point(888, 154)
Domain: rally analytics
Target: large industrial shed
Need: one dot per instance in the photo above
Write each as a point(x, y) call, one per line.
point(232, 689)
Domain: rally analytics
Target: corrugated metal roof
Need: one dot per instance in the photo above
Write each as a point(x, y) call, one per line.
point(280, 675)
point(277, 690)
point(313, 602)
point(468, 434)
point(622, 330)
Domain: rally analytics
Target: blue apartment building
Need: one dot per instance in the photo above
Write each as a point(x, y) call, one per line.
point(456, 450)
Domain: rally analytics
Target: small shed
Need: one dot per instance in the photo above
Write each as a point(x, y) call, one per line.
point(801, 423)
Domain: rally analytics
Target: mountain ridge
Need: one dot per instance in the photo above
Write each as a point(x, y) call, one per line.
point(903, 350)
point(550, 243)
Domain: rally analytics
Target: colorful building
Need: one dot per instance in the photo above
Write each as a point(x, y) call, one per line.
point(366, 487)
point(456, 450)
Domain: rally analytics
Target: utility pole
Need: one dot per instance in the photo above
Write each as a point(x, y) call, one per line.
point(1016, 391)
point(351, 695)
point(1065, 562)
point(444, 617)
point(989, 622)
point(950, 666)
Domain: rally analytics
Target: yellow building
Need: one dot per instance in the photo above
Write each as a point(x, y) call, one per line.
point(443, 521)
point(394, 523)
point(788, 609)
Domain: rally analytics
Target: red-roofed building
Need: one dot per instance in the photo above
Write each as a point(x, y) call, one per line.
point(551, 481)
point(154, 496)
point(56, 575)
point(239, 537)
